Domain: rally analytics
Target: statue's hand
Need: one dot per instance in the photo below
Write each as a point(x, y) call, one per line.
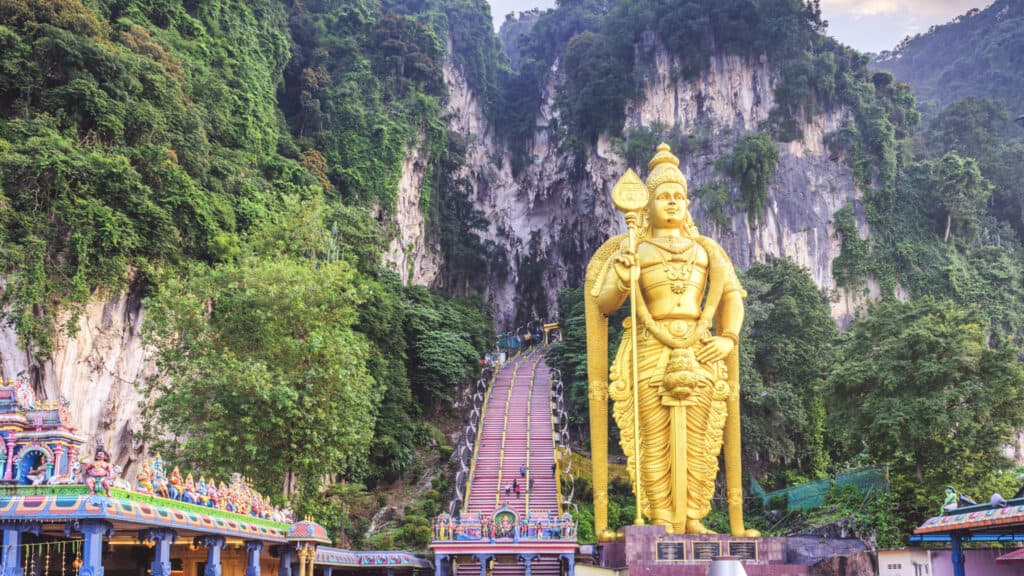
point(623, 264)
point(714, 348)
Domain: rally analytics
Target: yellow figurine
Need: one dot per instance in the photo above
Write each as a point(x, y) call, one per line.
point(689, 309)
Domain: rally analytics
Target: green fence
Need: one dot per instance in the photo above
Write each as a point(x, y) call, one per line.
point(812, 494)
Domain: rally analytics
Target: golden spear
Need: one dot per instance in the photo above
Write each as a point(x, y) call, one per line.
point(630, 197)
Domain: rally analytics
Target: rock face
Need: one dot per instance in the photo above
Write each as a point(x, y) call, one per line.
point(415, 261)
point(545, 216)
point(97, 370)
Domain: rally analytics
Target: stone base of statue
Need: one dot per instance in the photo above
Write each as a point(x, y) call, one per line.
point(649, 550)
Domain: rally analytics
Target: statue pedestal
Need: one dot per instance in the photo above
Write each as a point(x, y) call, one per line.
point(649, 550)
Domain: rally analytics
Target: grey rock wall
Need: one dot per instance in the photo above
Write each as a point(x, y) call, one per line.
point(572, 217)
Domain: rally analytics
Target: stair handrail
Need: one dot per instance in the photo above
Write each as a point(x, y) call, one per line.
point(471, 436)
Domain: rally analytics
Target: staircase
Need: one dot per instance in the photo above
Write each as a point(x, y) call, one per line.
point(516, 432)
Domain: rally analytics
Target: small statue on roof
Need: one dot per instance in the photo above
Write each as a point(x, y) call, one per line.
point(954, 500)
point(99, 471)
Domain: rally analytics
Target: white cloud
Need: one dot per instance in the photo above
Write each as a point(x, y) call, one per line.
point(862, 7)
point(932, 8)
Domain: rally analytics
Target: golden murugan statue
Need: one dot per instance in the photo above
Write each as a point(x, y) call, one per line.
point(684, 357)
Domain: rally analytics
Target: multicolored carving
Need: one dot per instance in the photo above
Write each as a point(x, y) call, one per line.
point(38, 445)
point(75, 502)
point(99, 471)
point(505, 524)
point(326, 556)
point(238, 496)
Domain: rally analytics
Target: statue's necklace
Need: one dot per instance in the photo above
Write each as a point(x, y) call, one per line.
point(678, 274)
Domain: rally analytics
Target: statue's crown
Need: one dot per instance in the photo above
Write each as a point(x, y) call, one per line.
point(664, 169)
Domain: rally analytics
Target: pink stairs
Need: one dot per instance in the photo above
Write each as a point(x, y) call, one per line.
point(516, 432)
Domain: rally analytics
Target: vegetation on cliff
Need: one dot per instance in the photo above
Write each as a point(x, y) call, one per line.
point(230, 157)
point(974, 54)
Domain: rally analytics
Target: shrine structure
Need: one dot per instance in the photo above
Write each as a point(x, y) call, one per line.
point(61, 515)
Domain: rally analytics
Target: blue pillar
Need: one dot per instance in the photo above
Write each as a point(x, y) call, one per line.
point(11, 561)
point(252, 550)
point(528, 559)
point(213, 545)
point(162, 538)
point(570, 564)
point(286, 554)
point(439, 564)
point(483, 559)
point(92, 550)
point(958, 554)
point(328, 570)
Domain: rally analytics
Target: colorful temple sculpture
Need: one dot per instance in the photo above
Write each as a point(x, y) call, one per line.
point(65, 515)
point(39, 444)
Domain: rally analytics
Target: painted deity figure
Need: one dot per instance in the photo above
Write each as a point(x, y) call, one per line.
point(188, 493)
point(144, 479)
point(99, 471)
point(689, 310)
point(176, 486)
point(202, 495)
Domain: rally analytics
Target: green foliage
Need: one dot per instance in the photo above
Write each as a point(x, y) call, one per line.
point(752, 164)
point(593, 98)
point(248, 348)
point(918, 386)
point(457, 224)
point(621, 507)
point(974, 54)
point(974, 128)
point(716, 199)
point(959, 190)
point(447, 339)
point(788, 352)
point(569, 356)
point(116, 160)
point(853, 265)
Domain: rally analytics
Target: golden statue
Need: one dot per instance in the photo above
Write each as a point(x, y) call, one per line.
point(684, 356)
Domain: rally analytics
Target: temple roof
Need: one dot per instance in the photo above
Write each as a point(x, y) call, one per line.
point(308, 531)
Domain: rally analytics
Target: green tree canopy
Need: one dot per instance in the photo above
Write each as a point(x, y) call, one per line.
point(787, 343)
point(752, 164)
point(917, 386)
point(960, 191)
point(261, 367)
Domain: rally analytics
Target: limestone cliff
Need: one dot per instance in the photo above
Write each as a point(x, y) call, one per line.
point(562, 221)
point(410, 254)
point(96, 369)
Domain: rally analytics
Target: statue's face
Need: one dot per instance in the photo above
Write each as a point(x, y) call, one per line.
point(669, 206)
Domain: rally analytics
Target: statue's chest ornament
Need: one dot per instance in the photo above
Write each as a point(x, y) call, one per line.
point(679, 267)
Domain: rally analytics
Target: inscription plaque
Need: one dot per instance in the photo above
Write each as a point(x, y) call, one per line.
point(743, 549)
point(671, 552)
point(705, 551)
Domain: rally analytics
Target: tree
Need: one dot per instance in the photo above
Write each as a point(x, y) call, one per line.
point(918, 387)
point(788, 350)
point(960, 190)
point(261, 370)
point(970, 127)
point(752, 164)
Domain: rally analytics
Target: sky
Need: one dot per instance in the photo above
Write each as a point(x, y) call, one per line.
point(867, 25)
